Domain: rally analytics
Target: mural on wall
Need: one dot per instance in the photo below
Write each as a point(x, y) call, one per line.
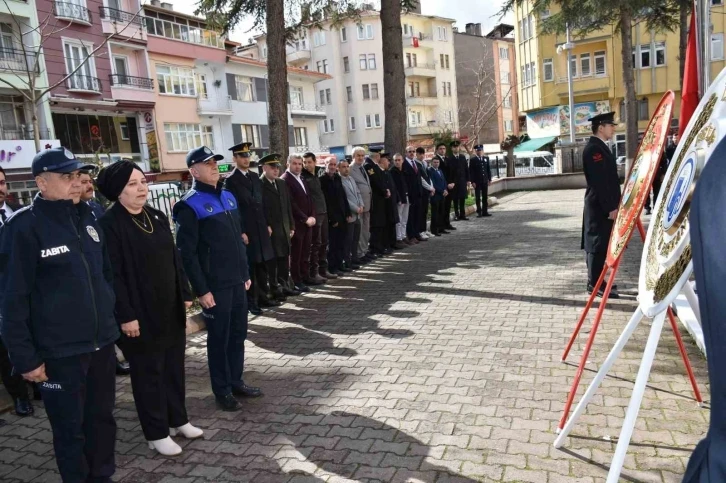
point(555, 121)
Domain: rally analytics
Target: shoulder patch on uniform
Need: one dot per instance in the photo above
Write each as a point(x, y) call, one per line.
point(597, 157)
point(371, 171)
point(188, 194)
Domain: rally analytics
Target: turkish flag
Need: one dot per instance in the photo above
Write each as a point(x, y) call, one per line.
point(689, 90)
point(415, 41)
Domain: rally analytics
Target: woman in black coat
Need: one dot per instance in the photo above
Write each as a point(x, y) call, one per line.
point(151, 297)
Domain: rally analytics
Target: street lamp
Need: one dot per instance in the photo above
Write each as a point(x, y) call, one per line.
point(567, 48)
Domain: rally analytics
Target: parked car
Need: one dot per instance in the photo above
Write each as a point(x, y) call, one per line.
point(620, 162)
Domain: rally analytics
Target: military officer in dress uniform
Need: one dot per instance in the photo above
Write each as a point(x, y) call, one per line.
point(458, 173)
point(246, 187)
point(480, 175)
point(379, 194)
point(601, 198)
point(445, 213)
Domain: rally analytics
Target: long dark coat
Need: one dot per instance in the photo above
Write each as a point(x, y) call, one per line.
point(391, 201)
point(457, 172)
point(248, 192)
point(378, 194)
point(601, 196)
point(278, 211)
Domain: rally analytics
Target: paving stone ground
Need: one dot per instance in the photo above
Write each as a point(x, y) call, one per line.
point(438, 364)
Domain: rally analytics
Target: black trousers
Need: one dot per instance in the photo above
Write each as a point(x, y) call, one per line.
point(79, 398)
point(656, 189)
point(459, 207)
point(352, 237)
point(378, 239)
point(319, 245)
point(481, 192)
point(595, 265)
point(446, 213)
point(14, 383)
point(278, 273)
point(437, 211)
point(336, 246)
point(412, 225)
point(226, 334)
point(157, 381)
point(259, 286)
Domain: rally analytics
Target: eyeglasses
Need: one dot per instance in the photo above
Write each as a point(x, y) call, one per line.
point(411, 151)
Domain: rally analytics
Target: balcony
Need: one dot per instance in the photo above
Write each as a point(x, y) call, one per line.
point(119, 16)
point(214, 106)
point(131, 81)
point(306, 111)
point(132, 89)
point(298, 56)
point(73, 13)
point(122, 24)
point(422, 100)
point(15, 60)
point(583, 86)
point(84, 83)
point(420, 70)
point(22, 134)
point(184, 33)
point(419, 40)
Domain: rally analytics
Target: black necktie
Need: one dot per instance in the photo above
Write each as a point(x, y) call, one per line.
point(2, 215)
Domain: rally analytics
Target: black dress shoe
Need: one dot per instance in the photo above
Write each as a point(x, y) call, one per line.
point(345, 269)
point(479, 215)
point(290, 292)
point(269, 302)
point(228, 403)
point(254, 310)
point(23, 407)
point(487, 214)
point(122, 368)
point(463, 218)
point(244, 390)
point(355, 266)
point(451, 228)
point(443, 232)
point(328, 274)
point(302, 287)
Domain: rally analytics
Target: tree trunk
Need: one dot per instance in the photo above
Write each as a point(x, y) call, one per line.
point(683, 31)
point(277, 78)
point(394, 78)
point(631, 114)
point(510, 163)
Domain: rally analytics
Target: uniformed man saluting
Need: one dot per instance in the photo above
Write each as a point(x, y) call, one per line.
point(601, 198)
point(58, 322)
point(209, 239)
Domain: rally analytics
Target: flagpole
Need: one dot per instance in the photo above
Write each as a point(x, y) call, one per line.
point(705, 67)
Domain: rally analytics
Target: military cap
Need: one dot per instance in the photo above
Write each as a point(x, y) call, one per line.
point(375, 150)
point(349, 157)
point(272, 159)
point(478, 147)
point(385, 155)
point(241, 149)
point(455, 143)
point(58, 160)
point(200, 155)
point(605, 118)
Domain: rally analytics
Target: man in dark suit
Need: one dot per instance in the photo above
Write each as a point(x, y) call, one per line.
point(14, 383)
point(480, 175)
point(602, 197)
point(412, 177)
point(458, 174)
point(246, 187)
point(438, 181)
point(379, 193)
point(319, 251)
point(427, 190)
point(446, 202)
point(278, 212)
point(338, 213)
point(391, 203)
point(303, 211)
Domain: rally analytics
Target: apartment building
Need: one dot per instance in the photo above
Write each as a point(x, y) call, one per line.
point(18, 19)
point(352, 97)
point(98, 106)
point(597, 74)
point(486, 80)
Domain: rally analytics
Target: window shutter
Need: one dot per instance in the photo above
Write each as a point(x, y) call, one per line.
point(236, 133)
point(260, 89)
point(231, 87)
point(264, 135)
point(290, 136)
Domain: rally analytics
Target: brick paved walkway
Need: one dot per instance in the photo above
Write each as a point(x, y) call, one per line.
point(440, 364)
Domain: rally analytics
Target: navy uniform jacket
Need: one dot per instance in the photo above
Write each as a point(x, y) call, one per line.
point(480, 172)
point(97, 209)
point(248, 192)
point(601, 196)
point(56, 284)
point(209, 239)
point(457, 173)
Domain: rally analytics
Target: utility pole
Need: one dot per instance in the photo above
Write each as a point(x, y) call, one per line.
point(567, 49)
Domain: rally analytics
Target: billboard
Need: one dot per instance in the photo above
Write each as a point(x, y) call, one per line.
point(555, 121)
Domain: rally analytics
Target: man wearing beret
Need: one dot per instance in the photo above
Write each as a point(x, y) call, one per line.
point(480, 174)
point(247, 189)
point(208, 237)
point(602, 197)
point(58, 315)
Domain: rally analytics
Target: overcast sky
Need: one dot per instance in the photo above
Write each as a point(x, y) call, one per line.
point(464, 11)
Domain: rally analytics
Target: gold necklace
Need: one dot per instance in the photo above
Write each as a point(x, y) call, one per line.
point(142, 225)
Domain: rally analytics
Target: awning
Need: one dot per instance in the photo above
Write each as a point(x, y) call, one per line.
point(534, 144)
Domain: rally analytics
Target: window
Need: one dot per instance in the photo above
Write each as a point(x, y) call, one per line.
point(585, 65)
point(525, 32)
point(507, 101)
point(301, 136)
point(716, 46)
point(343, 34)
point(366, 92)
point(533, 72)
point(328, 97)
point(346, 65)
point(245, 88)
point(521, 30)
point(251, 134)
point(530, 30)
point(503, 53)
point(325, 67)
point(449, 117)
point(526, 74)
point(369, 123)
point(371, 61)
point(85, 77)
point(363, 63)
point(600, 63)
point(545, 14)
point(716, 2)
point(377, 120)
point(407, 30)
point(322, 97)
point(351, 123)
point(660, 54)
point(414, 89)
point(264, 52)
point(446, 57)
point(411, 60)
point(548, 70)
point(573, 65)
point(124, 128)
point(120, 62)
point(365, 32)
point(332, 125)
point(644, 56)
point(181, 137)
point(441, 60)
point(443, 34)
point(296, 96)
point(643, 114)
point(508, 126)
point(349, 93)
point(319, 38)
point(319, 66)
point(325, 126)
point(177, 81)
point(374, 91)
point(504, 78)
point(448, 85)
point(202, 86)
